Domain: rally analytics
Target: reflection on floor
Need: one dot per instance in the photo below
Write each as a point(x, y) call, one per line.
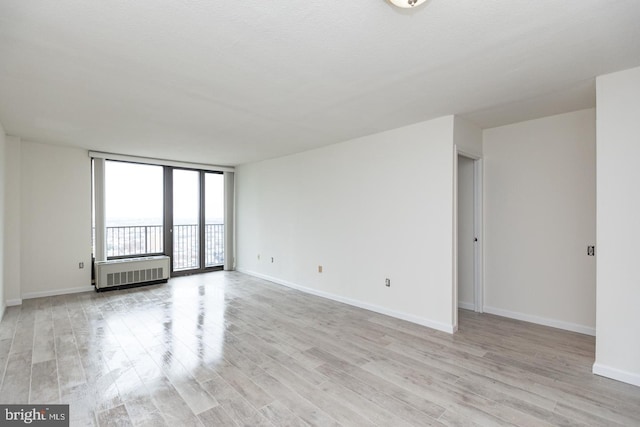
point(228, 349)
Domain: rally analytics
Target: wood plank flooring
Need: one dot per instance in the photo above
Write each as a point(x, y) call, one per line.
point(229, 349)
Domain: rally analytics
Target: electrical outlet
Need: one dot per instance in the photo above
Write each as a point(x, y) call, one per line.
point(81, 265)
point(272, 260)
point(591, 250)
point(387, 283)
point(319, 269)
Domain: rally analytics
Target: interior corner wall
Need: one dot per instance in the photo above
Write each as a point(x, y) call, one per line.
point(618, 276)
point(365, 210)
point(539, 210)
point(55, 208)
point(3, 225)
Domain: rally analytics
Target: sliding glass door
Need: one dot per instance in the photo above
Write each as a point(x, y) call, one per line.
point(197, 212)
point(153, 210)
point(186, 220)
point(214, 219)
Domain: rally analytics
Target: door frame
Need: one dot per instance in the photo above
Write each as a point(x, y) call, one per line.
point(478, 252)
point(168, 216)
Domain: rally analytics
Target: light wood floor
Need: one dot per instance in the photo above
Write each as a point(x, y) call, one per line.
point(229, 349)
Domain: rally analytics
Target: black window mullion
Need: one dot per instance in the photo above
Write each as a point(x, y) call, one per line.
point(202, 224)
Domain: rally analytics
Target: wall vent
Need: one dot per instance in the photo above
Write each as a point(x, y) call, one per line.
point(131, 271)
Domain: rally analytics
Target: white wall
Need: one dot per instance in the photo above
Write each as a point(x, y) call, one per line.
point(3, 184)
point(55, 209)
point(465, 233)
point(467, 137)
point(539, 179)
point(12, 236)
point(368, 209)
point(618, 311)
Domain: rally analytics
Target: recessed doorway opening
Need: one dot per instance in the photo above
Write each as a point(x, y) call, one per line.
point(468, 286)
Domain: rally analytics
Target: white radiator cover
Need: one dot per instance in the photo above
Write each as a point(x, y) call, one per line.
point(131, 271)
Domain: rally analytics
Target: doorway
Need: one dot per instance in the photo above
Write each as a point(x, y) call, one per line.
point(468, 240)
point(197, 218)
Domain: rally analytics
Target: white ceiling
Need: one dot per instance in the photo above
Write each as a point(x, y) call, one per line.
point(229, 82)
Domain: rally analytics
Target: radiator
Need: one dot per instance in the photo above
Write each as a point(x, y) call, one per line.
point(118, 273)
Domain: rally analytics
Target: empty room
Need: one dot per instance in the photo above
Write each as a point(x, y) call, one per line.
point(362, 213)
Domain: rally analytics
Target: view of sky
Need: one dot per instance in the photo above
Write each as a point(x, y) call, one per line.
point(134, 195)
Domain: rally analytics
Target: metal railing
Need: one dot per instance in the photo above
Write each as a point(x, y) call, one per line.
point(134, 240)
point(213, 244)
point(148, 239)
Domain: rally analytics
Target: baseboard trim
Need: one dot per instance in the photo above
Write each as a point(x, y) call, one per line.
point(14, 302)
point(616, 374)
point(567, 326)
point(56, 292)
point(356, 303)
point(466, 305)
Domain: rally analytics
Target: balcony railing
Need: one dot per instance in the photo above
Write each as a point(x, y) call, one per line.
point(134, 240)
point(186, 243)
point(148, 239)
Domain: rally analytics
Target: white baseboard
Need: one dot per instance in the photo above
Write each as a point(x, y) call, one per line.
point(567, 326)
point(13, 302)
point(56, 292)
point(616, 374)
point(466, 305)
point(356, 303)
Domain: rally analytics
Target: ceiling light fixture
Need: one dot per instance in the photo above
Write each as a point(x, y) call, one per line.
point(406, 3)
